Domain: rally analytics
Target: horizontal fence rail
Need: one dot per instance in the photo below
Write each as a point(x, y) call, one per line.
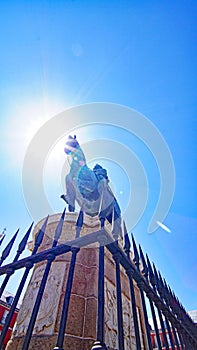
point(173, 327)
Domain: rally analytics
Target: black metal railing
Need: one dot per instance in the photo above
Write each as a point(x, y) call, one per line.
point(173, 327)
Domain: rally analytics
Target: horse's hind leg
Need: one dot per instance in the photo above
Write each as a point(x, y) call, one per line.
point(70, 195)
point(114, 219)
point(117, 229)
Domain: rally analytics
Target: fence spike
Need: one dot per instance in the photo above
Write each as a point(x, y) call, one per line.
point(155, 272)
point(136, 258)
point(36, 307)
point(102, 213)
point(145, 268)
point(150, 271)
point(170, 291)
point(165, 284)
point(161, 286)
point(39, 238)
point(23, 243)
point(161, 279)
point(158, 284)
point(151, 278)
point(1, 240)
point(8, 248)
point(40, 235)
point(79, 223)
point(127, 243)
point(21, 247)
point(167, 293)
point(58, 230)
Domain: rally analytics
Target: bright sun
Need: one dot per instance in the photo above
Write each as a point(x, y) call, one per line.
point(28, 119)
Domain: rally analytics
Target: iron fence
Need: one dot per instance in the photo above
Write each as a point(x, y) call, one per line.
point(173, 327)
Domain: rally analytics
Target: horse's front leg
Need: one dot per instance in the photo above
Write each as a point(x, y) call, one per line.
point(114, 218)
point(70, 195)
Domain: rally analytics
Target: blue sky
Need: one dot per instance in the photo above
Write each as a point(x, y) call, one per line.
point(140, 54)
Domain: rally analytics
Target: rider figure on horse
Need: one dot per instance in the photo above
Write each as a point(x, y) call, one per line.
point(89, 187)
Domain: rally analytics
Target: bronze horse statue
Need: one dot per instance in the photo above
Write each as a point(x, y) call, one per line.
point(90, 188)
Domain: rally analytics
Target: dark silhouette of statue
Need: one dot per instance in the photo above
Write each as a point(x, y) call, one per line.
point(90, 188)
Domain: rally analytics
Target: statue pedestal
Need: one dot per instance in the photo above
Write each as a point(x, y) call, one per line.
point(82, 317)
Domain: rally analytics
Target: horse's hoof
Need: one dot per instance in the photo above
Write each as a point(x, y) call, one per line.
point(71, 208)
point(64, 198)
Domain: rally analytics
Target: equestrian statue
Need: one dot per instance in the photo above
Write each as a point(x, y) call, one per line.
point(90, 188)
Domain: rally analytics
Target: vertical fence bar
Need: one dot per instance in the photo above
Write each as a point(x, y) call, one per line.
point(152, 280)
point(155, 324)
point(27, 339)
point(116, 258)
point(185, 341)
point(127, 246)
point(157, 289)
point(162, 292)
point(175, 337)
point(100, 316)
point(146, 272)
point(181, 339)
point(20, 249)
point(163, 329)
point(147, 326)
point(140, 285)
point(100, 323)
point(38, 241)
point(64, 315)
point(173, 303)
point(100, 342)
point(169, 333)
point(50, 259)
point(134, 310)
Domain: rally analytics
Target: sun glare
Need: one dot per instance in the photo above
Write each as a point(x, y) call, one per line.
point(38, 114)
point(28, 118)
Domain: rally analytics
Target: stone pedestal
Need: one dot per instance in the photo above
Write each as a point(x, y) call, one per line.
point(81, 324)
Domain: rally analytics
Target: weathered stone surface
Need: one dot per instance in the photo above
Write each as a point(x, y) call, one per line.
point(92, 282)
point(87, 344)
point(49, 306)
point(88, 257)
point(90, 318)
point(79, 282)
point(111, 327)
point(49, 342)
point(110, 269)
point(76, 315)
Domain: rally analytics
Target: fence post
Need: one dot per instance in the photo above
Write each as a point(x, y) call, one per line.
point(140, 285)
point(175, 337)
point(100, 342)
point(130, 272)
point(157, 289)
point(64, 316)
point(170, 333)
point(50, 259)
point(116, 258)
point(21, 285)
point(134, 310)
point(146, 274)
